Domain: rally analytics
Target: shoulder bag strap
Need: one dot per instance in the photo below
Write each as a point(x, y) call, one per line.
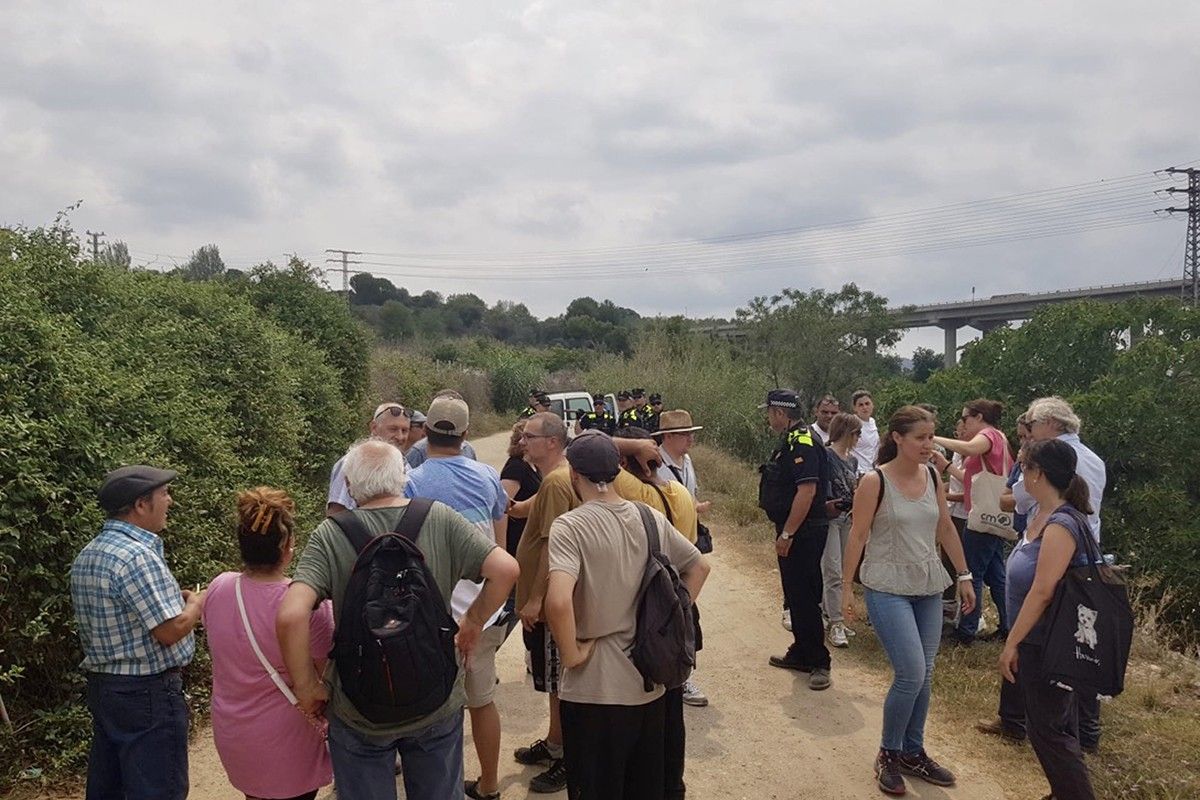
point(666, 505)
point(675, 471)
point(276, 678)
point(414, 518)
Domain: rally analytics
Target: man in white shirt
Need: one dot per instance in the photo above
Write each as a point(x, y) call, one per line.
point(824, 411)
point(390, 422)
point(867, 449)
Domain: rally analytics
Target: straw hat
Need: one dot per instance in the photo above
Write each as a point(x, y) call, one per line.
point(677, 421)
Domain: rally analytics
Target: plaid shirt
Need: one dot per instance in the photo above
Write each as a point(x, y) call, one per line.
point(121, 588)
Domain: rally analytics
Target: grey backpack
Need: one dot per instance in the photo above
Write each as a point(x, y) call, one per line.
point(664, 644)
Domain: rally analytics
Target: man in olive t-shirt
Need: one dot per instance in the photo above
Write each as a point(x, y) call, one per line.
point(364, 752)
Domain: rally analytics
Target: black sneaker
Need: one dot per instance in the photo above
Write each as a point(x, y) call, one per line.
point(783, 662)
point(887, 773)
point(920, 765)
point(536, 753)
point(552, 780)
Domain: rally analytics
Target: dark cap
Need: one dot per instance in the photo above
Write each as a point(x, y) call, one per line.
point(541, 398)
point(594, 456)
point(124, 485)
point(781, 398)
point(535, 392)
point(623, 394)
point(655, 399)
point(597, 398)
point(637, 393)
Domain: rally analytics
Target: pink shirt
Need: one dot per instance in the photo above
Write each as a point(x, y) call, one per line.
point(998, 462)
point(267, 746)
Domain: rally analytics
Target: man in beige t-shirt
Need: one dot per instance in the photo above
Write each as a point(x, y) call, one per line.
point(613, 728)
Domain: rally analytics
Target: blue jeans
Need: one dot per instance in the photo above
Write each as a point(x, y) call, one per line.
point(986, 561)
point(364, 767)
point(139, 737)
point(910, 630)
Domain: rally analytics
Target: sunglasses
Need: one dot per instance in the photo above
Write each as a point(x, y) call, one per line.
point(395, 411)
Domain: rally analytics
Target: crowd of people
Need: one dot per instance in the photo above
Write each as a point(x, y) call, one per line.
point(361, 665)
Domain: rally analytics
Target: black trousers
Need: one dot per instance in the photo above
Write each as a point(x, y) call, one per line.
point(803, 584)
point(1086, 710)
point(1051, 724)
point(674, 744)
point(614, 752)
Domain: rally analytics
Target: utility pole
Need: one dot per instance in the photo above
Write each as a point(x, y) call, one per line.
point(1191, 251)
point(345, 262)
point(95, 245)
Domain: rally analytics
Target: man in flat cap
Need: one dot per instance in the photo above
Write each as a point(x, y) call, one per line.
point(135, 626)
point(792, 492)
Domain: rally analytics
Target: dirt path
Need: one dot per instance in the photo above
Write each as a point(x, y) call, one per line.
point(764, 734)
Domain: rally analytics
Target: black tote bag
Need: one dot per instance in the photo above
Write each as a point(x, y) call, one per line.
point(1090, 624)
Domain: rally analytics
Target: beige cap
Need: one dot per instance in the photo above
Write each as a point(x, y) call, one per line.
point(448, 415)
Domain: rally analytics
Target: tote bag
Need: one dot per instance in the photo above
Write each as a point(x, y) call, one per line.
point(1089, 624)
point(986, 515)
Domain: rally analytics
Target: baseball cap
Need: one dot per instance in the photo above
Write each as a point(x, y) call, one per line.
point(594, 456)
point(781, 398)
point(124, 485)
point(448, 415)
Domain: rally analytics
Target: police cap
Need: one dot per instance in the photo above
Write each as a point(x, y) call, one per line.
point(781, 398)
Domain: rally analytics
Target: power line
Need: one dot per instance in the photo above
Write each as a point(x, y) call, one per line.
point(95, 245)
point(345, 267)
point(1191, 254)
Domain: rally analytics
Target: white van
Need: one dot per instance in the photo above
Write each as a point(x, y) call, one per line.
point(572, 405)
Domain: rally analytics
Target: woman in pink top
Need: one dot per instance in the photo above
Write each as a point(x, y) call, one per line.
point(269, 748)
point(982, 439)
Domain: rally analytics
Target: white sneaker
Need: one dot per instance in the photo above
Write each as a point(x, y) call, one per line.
point(692, 696)
point(837, 635)
point(786, 620)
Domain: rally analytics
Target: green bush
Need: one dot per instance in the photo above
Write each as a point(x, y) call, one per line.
point(231, 384)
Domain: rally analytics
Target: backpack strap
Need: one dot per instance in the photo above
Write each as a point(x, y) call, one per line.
point(409, 526)
point(414, 517)
point(355, 531)
point(651, 527)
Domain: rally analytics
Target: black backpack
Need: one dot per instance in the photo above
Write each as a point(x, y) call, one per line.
point(1089, 623)
point(394, 641)
point(664, 644)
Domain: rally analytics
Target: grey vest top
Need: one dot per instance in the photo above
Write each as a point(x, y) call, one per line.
point(902, 552)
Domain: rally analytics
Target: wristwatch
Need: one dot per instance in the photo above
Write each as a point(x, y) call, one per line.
point(785, 535)
point(965, 576)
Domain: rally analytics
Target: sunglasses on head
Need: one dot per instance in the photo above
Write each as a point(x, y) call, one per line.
point(395, 411)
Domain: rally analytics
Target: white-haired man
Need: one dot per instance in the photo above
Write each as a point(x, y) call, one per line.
point(389, 423)
point(430, 746)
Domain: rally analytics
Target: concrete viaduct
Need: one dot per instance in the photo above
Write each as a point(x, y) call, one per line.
point(990, 313)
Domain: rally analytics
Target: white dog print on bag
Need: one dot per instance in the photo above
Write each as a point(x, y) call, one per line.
point(1086, 632)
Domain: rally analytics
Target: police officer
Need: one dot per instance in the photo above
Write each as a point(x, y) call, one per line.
point(792, 491)
point(629, 416)
point(599, 417)
point(539, 401)
point(656, 408)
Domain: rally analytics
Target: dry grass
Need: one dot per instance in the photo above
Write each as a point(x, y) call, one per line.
point(1151, 741)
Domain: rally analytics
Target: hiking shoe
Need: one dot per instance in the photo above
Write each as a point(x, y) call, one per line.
point(920, 765)
point(887, 773)
point(692, 695)
point(996, 727)
point(837, 635)
point(471, 790)
point(998, 635)
point(786, 620)
point(552, 780)
point(819, 679)
point(537, 753)
point(783, 662)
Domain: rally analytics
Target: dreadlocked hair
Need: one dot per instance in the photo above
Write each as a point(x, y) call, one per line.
point(266, 518)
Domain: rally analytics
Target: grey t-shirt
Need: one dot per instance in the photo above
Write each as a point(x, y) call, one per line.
point(454, 550)
point(603, 545)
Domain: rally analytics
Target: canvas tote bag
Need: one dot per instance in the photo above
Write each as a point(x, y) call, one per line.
point(986, 487)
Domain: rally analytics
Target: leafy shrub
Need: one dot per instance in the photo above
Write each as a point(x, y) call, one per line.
point(99, 367)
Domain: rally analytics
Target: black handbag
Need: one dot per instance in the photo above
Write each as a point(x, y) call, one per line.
point(1089, 624)
point(704, 542)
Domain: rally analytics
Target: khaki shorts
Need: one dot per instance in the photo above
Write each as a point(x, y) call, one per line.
point(480, 680)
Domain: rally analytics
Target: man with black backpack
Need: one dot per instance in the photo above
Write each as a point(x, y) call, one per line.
point(394, 683)
point(615, 566)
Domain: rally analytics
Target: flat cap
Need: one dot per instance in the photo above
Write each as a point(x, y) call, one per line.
point(594, 456)
point(781, 398)
point(124, 485)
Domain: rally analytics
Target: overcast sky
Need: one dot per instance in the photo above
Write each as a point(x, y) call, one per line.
point(502, 128)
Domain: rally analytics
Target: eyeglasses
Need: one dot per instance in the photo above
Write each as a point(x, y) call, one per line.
point(395, 411)
point(536, 436)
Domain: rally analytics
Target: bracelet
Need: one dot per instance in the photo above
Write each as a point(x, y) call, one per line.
point(965, 576)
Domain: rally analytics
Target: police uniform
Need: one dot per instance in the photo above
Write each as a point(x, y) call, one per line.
point(630, 418)
point(799, 459)
point(527, 412)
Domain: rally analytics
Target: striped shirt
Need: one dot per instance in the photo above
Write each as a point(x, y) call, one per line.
point(121, 588)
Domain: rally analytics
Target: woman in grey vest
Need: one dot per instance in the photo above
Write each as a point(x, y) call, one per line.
point(899, 518)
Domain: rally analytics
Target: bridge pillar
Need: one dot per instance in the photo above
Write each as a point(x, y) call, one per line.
point(950, 344)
